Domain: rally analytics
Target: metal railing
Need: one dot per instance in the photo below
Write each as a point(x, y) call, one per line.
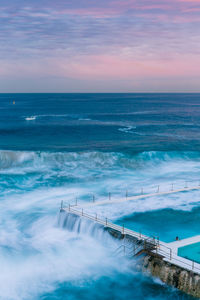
point(151, 244)
point(168, 255)
point(105, 222)
point(144, 192)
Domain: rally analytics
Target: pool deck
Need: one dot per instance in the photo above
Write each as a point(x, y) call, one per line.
point(185, 242)
point(169, 251)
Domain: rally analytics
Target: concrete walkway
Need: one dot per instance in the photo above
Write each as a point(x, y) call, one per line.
point(181, 243)
point(111, 201)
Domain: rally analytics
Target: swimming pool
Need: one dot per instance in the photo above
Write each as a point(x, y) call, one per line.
point(164, 223)
point(191, 252)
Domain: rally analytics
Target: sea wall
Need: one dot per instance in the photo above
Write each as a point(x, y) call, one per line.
point(184, 280)
point(154, 265)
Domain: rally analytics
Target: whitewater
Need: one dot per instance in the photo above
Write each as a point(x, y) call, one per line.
point(68, 147)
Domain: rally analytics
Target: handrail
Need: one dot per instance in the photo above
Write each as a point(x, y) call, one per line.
point(106, 223)
point(167, 254)
point(111, 225)
point(123, 249)
point(182, 185)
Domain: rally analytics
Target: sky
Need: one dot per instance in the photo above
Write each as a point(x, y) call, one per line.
point(100, 46)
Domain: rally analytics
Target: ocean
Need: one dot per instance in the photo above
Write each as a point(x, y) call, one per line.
point(63, 147)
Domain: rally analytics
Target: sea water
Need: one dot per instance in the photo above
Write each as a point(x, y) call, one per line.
point(70, 147)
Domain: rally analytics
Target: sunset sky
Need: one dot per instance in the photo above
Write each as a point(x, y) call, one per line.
point(99, 46)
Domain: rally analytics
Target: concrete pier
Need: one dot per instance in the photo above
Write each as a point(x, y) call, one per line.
point(143, 195)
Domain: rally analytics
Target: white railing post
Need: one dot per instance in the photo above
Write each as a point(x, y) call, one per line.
point(170, 253)
point(96, 217)
point(192, 265)
point(69, 206)
point(76, 201)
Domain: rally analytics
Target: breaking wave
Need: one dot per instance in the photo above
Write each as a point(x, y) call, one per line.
point(84, 226)
point(50, 177)
point(91, 159)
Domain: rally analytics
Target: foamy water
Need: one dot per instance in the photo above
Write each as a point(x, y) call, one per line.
point(43, 251)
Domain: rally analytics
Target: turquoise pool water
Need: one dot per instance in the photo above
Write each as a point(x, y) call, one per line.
point(191, 252)
point(164, 223)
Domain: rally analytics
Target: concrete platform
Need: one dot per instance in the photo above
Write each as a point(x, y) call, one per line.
point(185, 242)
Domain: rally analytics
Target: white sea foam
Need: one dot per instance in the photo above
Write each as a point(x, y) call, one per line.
point(43, 255)
point(71, 116)
point(128, 129)
point(32, 185)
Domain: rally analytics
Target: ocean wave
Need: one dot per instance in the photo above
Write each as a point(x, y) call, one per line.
point(46, 178)
point(94, 159)
point(14, 158)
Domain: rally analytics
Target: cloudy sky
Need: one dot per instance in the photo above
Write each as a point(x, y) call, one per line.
point(99, 45)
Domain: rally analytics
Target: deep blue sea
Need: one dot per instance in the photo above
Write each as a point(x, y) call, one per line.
point(56, 147)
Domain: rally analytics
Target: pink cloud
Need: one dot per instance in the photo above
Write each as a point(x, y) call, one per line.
point(143, 5)
point(194, 9)
point(129, 74)
point(106, 66)
point(115, 8)
point(94, 12)
point(115, 67)
point(190, 1)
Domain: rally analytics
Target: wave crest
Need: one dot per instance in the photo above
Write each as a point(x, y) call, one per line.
point(90, 160)
point(14, 158)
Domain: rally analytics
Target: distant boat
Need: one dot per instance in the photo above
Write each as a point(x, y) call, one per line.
point(13, 102)
point(30, 118)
